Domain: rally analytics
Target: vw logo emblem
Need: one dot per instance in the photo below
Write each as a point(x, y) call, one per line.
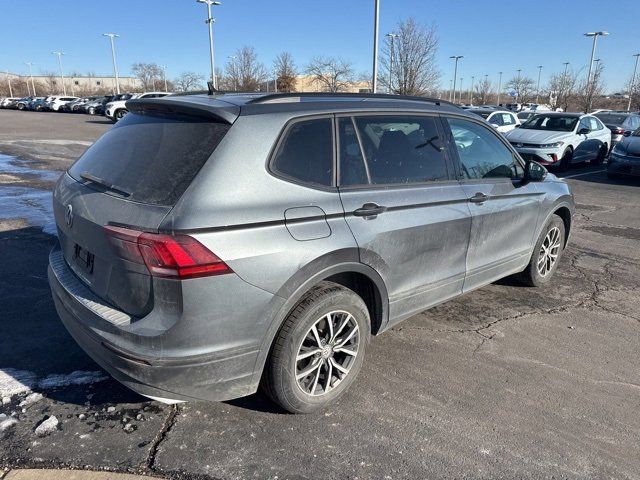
point(69, 216)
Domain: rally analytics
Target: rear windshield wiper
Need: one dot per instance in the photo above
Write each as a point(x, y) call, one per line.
point(102, 182)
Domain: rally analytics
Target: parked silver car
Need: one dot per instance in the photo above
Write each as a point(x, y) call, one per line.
point(560, 139)
point(212, 244)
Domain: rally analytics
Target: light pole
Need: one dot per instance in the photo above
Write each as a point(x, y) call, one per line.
point(113, 57)
point(33, 85)
point(471, 91)
point(59, 54)
point(595, 36)
point(499, 87)
point(566, 67)
point(455, 74)
point(9, 82)
point(519, 84)
point(376, 14)
point(538, 87)
point(210, 21)
point(461, 90)
point(633, 82)
point(164, 76)
point(392, 37)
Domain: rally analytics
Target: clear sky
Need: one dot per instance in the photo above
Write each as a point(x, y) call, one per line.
point(493, 35)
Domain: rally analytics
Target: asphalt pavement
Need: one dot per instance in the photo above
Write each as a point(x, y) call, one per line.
point(505, 382)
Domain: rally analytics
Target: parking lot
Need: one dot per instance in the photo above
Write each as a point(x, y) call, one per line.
point(506, 382)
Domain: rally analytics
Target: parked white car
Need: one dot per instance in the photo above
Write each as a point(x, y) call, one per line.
point(116, 110)
point(57, 101)
point(4, 103)
point(560, 139)
point(502, 120)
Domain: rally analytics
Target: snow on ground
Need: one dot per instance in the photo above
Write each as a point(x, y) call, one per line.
point(50, 425)
point(15, 382)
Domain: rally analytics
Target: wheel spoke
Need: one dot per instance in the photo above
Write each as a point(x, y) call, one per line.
point(354, 330)
point(342, 325)
point(315, 381)
point(353, 353)
point(330, 322)
point(314, 329)
point(307, 354)
point(338, 367)
point(307, 371)
point(327, 384)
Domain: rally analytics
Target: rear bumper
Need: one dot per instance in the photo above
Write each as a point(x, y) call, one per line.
point(623, 165)
point(223, 373)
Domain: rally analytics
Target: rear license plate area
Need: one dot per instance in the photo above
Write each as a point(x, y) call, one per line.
point(83, 259)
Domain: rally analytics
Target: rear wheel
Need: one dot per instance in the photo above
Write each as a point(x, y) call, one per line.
point(21, 106)
point(119, 114)
point(565, 161)
point(546, 254)
point(319, 349)
point(92, 111)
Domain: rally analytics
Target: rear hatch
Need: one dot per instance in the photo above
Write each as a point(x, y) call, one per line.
point(131, 177)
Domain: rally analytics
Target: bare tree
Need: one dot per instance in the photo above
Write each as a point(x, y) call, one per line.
point(333, 74)
point(285, 69)
point(561, 89)
point(588, 91)
point(482, 92)
point(148, 73)
point(187, 81)
point(413, 59)
point(244, 72)
point(524, 87)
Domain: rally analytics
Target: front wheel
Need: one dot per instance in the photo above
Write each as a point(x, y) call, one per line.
point(119, 114)
point(319, 349)
point(566, 159)
point(602, 154)
point(546, 254)
point(92, 111)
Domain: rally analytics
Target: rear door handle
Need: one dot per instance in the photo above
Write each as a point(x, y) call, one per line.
point(369, 210)
point(479, 198)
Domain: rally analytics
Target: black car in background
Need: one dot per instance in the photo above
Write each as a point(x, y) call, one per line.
point(624, 159)
point(619, 123)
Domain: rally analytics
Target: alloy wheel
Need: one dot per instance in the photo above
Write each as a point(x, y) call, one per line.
point(549, 251)
point(327, 352)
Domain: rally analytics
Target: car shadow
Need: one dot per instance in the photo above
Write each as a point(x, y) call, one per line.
point(34, 341)
point(100, 122)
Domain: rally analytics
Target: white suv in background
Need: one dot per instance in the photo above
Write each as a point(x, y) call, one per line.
point(502, 120)
point(57, 101)
point(116, 110)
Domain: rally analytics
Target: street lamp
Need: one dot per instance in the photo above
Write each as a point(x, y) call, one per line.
point(538, 87)
point(113, 57)
point(471, 91)
point(595, 36)
point(376, 14)
point(210, 21)
point(59, 54)
point(33, 85)
point(633, 81)
point(566, 67)
point(455, 73)
point(392, 37)
point(499, 87)
point(461, 90)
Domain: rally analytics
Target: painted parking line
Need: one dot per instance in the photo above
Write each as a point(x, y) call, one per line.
point(584, 173)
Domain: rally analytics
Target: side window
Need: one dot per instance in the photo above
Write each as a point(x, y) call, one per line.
point(496, 120)
point(635, 123)
point(306, 152)
point(584, 123)
point(507, 119)
point(481, 153)
point(594, 124)
point(401, 149)
point(353, 169)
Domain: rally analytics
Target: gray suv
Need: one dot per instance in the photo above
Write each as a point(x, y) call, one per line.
point(212, 244)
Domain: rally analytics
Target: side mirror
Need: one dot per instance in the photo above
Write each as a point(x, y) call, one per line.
point(583, 131)
point(627, 133)
point(518, 125)
point(534, 172)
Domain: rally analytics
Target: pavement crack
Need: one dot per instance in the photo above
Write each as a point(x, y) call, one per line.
point(168, 424)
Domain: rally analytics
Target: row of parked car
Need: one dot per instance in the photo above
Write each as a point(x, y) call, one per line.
point(112, 106)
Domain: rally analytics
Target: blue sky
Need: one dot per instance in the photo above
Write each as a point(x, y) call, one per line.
point(493, 35)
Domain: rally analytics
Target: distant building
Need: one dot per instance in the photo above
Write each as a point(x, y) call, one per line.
point(75, 85)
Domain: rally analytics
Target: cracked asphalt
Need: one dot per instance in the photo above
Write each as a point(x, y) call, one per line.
point(505, 382)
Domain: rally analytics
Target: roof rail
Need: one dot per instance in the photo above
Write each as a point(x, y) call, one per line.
point(278, 97)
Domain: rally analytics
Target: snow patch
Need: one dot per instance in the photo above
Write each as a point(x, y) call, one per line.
point(31, 399)
point(16, 382)
point(47, 427)
point(7, 424)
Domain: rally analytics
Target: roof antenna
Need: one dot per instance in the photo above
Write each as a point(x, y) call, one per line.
point(211, 88)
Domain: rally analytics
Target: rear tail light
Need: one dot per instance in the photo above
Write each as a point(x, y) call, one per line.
point(618, 131)
point(169, 256)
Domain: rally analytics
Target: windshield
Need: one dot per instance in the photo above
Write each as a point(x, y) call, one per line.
point(612, 118)
point(554, 123)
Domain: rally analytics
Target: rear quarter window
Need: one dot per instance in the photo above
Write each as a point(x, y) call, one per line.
point(154, 157)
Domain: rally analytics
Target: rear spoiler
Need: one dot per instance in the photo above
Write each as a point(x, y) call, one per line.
point(203, 107)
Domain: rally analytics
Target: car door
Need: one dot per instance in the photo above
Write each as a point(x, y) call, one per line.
point(586, 145)
point(504, 210)
point(408, 214)
point(599, 134)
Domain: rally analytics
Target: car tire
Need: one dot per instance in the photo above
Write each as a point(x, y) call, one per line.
point(602, 154)
point(92, 111)
point(118, 114)
point(328, 321)
point(21, 106)
point(546, 254)
point(565, 160)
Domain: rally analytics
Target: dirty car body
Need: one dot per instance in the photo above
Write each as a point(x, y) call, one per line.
point(404, 203)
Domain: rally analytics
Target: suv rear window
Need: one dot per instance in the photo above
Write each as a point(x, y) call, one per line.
point(153, 157)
